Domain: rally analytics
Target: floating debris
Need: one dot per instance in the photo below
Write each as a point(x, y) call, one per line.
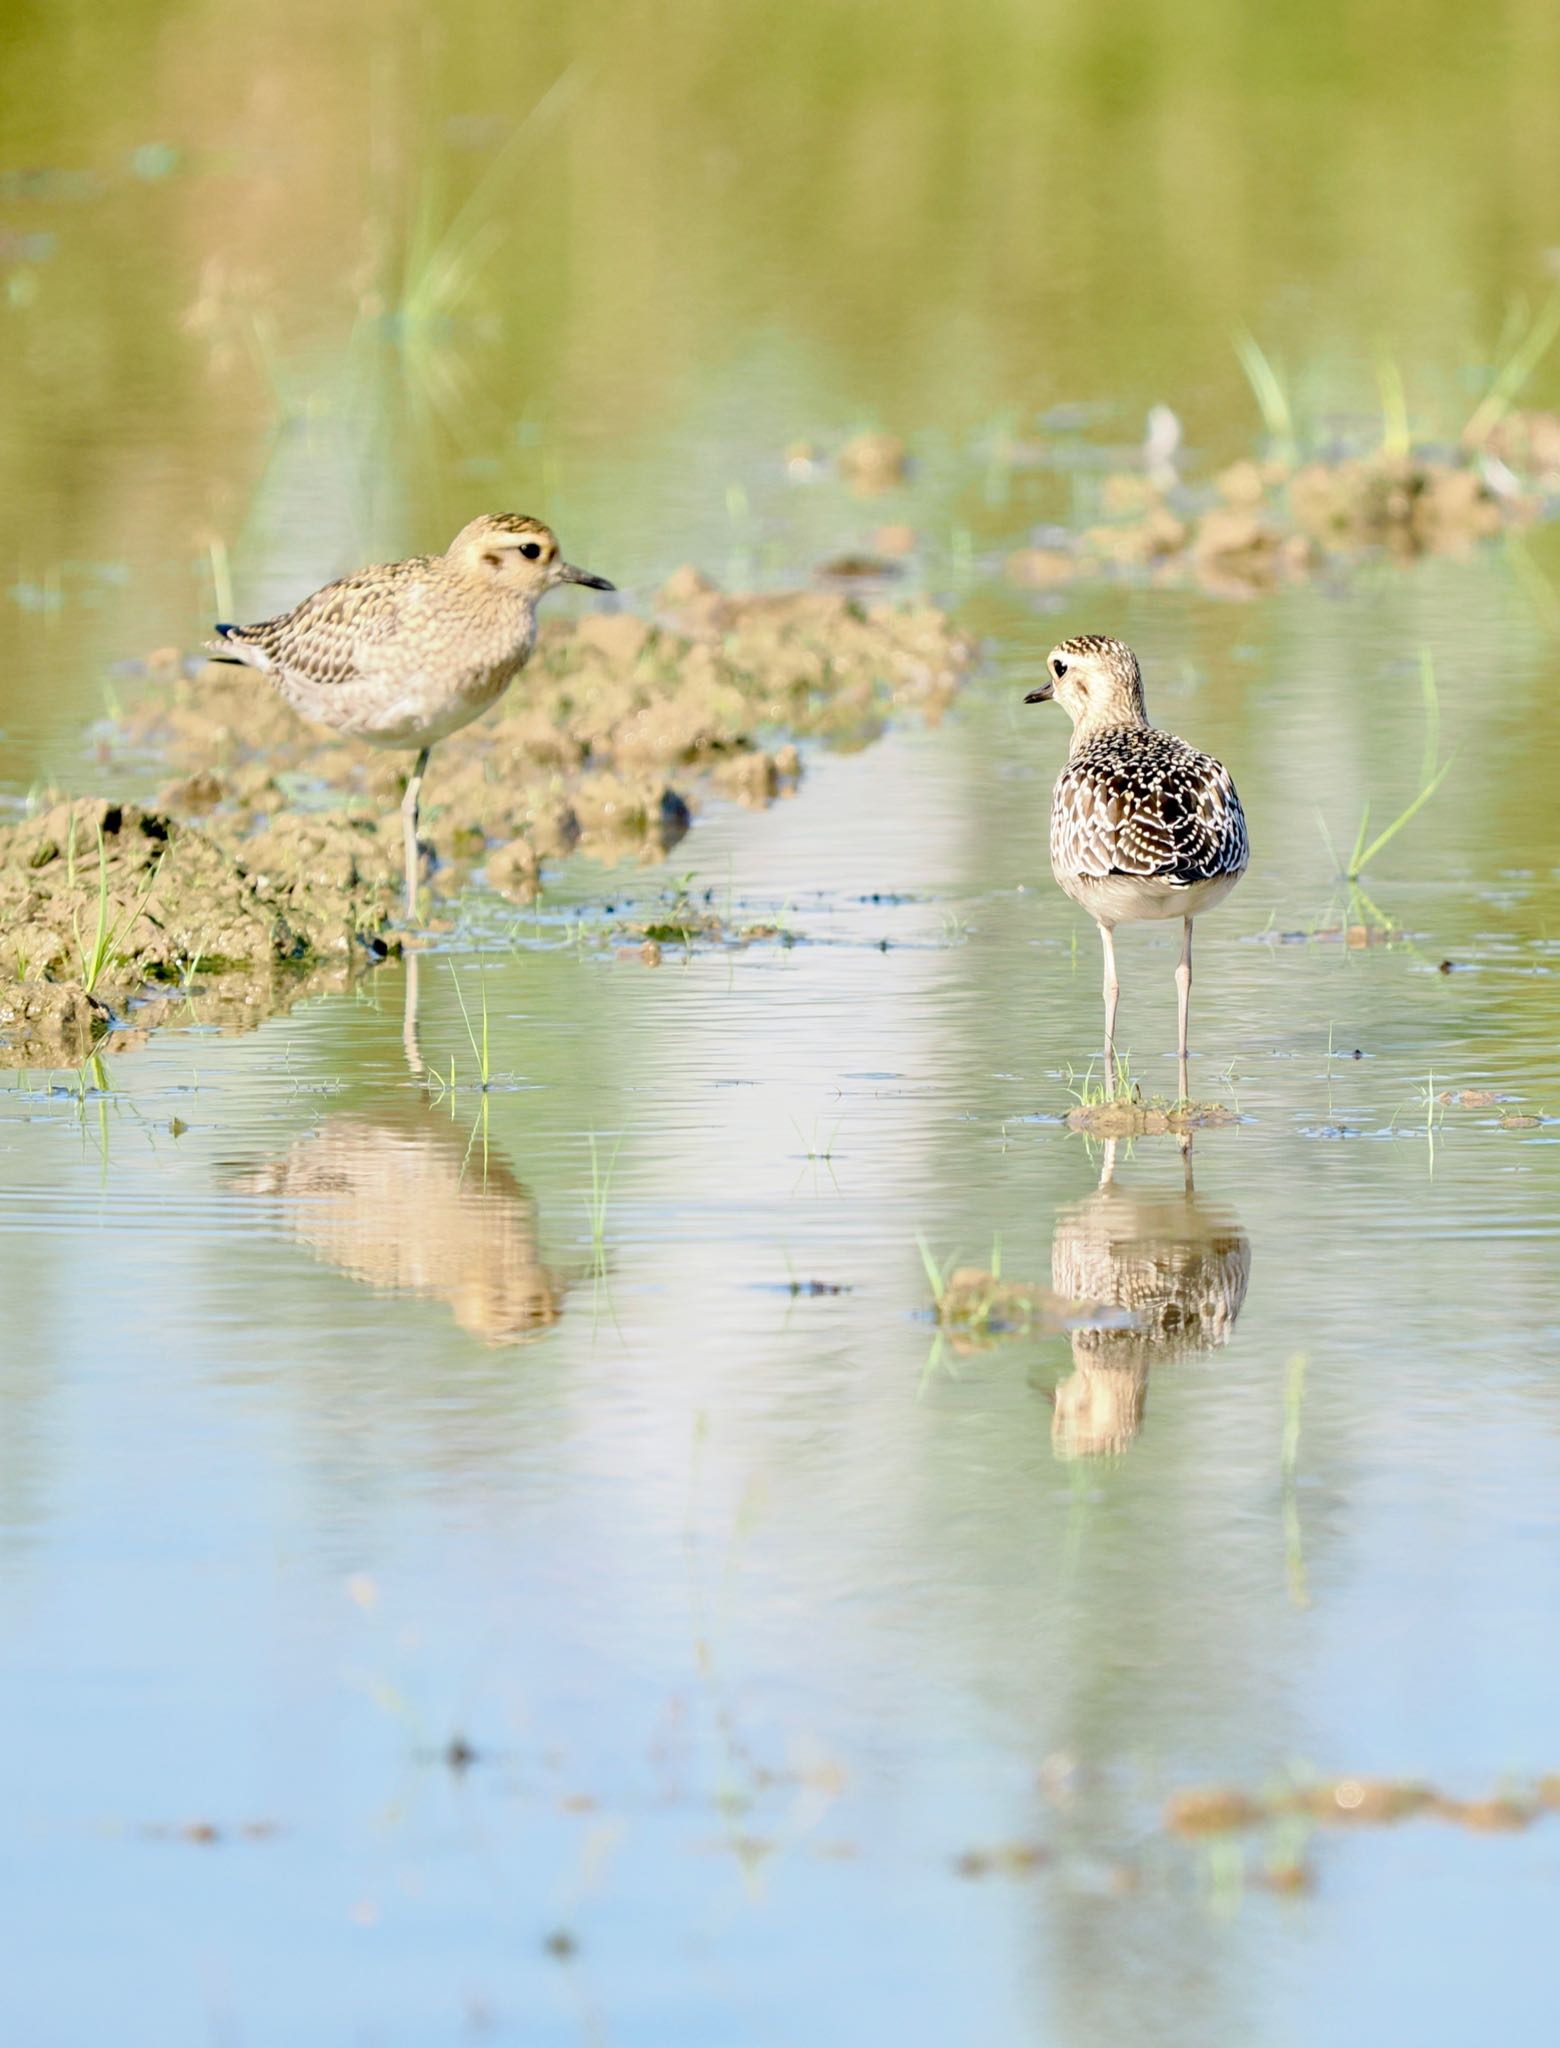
point(1213, 1810)
point(1003, 1859)
point(1368, 1802)
point(859, 569)
point(1354, 1802)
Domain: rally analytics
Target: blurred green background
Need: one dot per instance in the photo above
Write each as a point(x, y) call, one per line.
point(287, 287)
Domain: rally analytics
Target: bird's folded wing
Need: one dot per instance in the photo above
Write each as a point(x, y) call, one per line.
point(343, 630)
point(1184, 824)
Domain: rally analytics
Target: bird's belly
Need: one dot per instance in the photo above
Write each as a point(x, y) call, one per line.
point(401, 710)
point(1142, 899)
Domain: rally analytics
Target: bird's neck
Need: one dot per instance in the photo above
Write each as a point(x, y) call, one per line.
point(1116, 718)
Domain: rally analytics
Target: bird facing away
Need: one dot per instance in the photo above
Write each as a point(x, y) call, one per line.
point(405, 653)
point(1143, 826)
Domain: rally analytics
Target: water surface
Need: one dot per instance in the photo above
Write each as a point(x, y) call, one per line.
point(808, 1677)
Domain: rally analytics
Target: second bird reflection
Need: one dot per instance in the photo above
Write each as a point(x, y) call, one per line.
point(403, 1201)
point(1178, 1265)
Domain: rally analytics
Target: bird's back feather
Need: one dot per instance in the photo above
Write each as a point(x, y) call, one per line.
point(1139, 802)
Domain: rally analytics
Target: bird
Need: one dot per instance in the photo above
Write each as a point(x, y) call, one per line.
point(405, 653)
point(1143, 826)
point(1177, 1265)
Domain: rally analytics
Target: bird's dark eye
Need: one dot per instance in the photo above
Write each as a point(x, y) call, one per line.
point(530, 549)
point(1058, 667)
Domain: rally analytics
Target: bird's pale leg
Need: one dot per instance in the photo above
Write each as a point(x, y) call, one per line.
point(1183, 999)
point(409, 830)
point(1112, 990)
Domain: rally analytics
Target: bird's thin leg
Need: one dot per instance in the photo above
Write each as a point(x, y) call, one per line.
point(1112, 990)
point(409, 830)
point(1183, 996)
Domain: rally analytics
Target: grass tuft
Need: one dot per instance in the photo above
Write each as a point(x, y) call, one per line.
point(1431, 777)
point(95, 958)
point(1268, 388)
point(1524, 343)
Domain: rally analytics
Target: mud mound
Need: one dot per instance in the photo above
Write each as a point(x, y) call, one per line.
point(101, 900)
point(273, 856)
point(602, 743)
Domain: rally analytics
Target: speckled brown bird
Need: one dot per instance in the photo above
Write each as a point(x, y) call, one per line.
point(1143, 826)
point(405, 653)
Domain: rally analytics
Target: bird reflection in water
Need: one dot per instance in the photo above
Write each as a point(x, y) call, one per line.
point(1180, 1268)
point(404, 1201)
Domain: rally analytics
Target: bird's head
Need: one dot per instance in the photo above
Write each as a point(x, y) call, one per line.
point(516, 554)
point(1096, 681)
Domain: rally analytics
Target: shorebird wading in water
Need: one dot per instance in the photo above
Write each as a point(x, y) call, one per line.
point(406, 653)
point(1142, 825)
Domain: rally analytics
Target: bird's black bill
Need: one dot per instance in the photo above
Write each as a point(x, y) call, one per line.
point(569, 574)
point(1043, 695)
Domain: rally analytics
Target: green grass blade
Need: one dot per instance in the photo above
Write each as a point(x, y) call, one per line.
point(1403, 817)
point(1514, 371)
point(1268, 389)
point(1395, 438)
point(1432, 699)
point(1359, 841)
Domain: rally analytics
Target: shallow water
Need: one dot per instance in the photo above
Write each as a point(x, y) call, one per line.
point(809, 1677)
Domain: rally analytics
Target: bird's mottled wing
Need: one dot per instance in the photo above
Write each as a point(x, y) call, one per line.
point(344, 630)
point(1147, 804)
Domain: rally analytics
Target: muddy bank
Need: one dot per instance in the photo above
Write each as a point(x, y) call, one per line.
point(272, 850)
point(1259, 525)
point(1137, 1117)
point(102, 902)
point(603, 745)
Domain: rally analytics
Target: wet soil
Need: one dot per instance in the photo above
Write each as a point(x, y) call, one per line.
point(101, 902)
point(1144, 1119)
point(1261, 524)
point(274, 849)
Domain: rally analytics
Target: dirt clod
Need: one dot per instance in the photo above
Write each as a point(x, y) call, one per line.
point(275, 847)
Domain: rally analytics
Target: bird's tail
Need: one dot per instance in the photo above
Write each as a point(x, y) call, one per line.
point(233, 644)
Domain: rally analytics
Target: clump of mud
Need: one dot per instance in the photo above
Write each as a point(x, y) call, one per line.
point(690, 922)
point(1351, 1802)
point(1137, 1118)
point(973, 1307)
point(600, 745)
point(1529, 444)
point(1264, 524)
point(976, 1300)
point(101, 901)
point(273, 853)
